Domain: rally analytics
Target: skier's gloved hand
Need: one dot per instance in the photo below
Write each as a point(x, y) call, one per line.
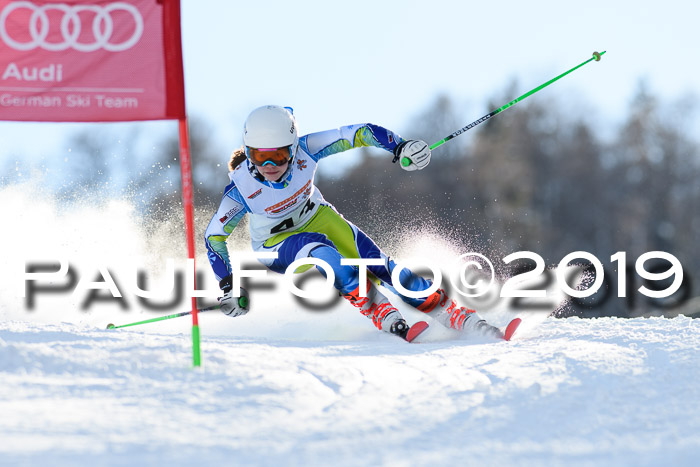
point(234, 306)
point(230, 305)
point(412, 154)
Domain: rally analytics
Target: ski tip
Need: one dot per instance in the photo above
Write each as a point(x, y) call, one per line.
point(416, 330)
point(510, 329)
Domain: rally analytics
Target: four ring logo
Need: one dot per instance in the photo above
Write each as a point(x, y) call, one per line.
point(38, 27)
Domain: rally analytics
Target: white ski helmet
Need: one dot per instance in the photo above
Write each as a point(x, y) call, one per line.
point(271, 126)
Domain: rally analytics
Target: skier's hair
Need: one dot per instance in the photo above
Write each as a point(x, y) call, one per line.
point(237, 157)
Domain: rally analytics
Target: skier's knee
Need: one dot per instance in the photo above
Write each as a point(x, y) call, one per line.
point(346, 277)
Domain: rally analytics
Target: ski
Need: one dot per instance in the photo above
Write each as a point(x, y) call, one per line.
point(511, 328)
point(416, 330)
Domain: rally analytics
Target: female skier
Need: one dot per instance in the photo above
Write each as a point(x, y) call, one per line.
point(272, 179)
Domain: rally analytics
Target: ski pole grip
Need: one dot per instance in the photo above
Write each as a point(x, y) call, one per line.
point(405, 161)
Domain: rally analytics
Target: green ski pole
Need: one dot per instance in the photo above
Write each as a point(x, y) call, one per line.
point(242, 302)
point(596, 56)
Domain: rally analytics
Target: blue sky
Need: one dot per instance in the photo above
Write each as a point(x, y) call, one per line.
point(347, 62)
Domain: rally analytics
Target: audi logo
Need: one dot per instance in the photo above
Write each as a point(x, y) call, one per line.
point(70, 27)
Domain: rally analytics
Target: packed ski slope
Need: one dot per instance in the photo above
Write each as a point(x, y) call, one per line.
point(286, 385)
point(574, 392)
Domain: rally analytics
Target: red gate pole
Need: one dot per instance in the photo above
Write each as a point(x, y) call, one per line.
point(188, 206)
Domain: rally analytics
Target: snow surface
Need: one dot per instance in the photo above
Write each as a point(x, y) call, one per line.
point(284, 385)
point(576, 392)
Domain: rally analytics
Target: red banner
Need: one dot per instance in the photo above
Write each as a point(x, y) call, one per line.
point(96, 61)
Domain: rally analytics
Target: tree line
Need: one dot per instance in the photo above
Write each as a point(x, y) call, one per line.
point(534, 178)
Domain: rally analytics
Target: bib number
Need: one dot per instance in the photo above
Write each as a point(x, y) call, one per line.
point(288, 223)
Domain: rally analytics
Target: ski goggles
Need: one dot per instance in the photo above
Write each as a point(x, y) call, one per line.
point(264, 156)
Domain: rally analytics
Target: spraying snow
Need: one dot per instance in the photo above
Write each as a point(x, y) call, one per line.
point(105, 243)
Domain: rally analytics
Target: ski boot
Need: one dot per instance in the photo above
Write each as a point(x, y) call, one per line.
point(383, 314)
point(449, 314)
point(374, 306)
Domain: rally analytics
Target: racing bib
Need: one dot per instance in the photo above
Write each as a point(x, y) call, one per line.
point(275, 210)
